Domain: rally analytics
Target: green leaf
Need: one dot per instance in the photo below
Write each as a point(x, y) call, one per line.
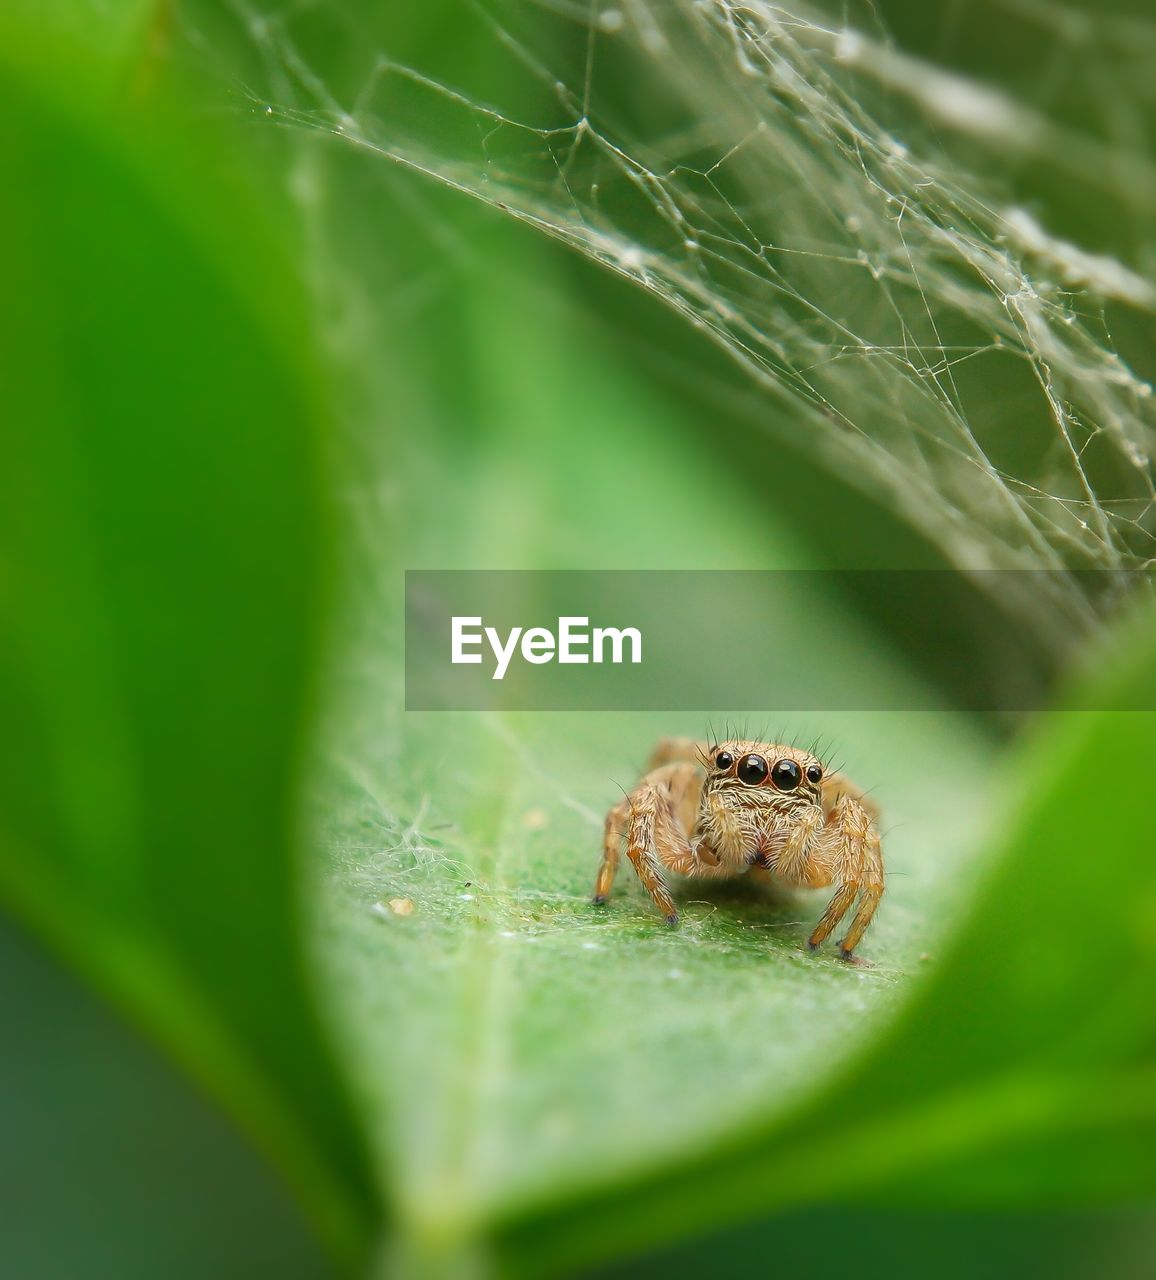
point(163, 555)
point(517, 1048)
point(114, 1161)
point(565, 1084)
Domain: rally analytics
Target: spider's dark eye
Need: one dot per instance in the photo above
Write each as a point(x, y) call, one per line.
point(786, 775)
point(723, 760)
point(753, 770)
point(814, 773)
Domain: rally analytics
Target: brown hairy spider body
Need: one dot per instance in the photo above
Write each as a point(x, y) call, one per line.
point(720, 810)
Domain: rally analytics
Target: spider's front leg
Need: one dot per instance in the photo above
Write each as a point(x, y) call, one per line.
point(844, 849)
point(654, 819)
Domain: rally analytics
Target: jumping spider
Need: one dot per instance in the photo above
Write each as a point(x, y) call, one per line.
point(721, 810)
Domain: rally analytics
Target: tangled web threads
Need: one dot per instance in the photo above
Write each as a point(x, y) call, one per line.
point(776, 176)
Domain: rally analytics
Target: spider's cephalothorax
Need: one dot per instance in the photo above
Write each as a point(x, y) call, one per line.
point(751, 796)
point(720, 809)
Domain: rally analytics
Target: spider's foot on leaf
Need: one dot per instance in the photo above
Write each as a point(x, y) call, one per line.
point(600, 899)
point(672, 919)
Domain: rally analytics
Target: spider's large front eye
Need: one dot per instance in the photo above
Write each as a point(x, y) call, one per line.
point(786, 775)
point(723, 760)
point(752, 770)
point(814, 773)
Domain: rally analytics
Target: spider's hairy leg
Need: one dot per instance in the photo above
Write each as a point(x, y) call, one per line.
point(847, 850)
point(655, 818)
point(837, 908)
point(651, 818)
point(872, 892)
point(612, 834)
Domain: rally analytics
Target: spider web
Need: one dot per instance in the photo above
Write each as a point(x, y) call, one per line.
point(810, 197)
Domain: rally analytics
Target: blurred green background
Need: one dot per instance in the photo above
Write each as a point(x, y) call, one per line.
point(296, 983)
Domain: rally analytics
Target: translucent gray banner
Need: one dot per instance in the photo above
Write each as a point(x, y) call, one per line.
point(786, 640)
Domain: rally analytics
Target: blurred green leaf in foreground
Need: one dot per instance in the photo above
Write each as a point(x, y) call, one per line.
point(164, 527)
